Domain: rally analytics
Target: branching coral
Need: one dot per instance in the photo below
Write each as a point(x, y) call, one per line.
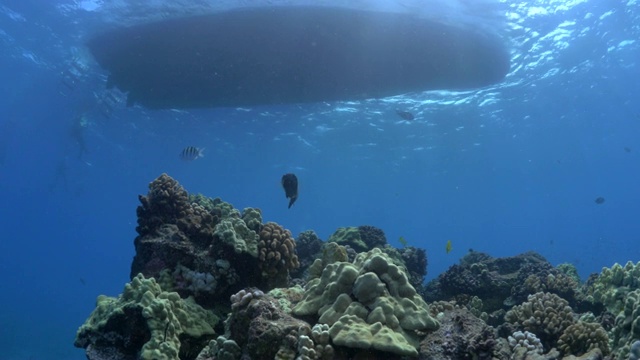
point(164, 203)
point(526, 340)
point(276, 254)
point(544, 314)
point(612, 285)
point(582, 337)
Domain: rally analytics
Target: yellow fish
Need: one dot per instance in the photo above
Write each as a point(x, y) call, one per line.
point(403, 241)
point(448, 247)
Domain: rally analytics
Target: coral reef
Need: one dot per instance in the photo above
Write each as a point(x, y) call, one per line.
point(308, 247)
point(146, 322)
point(415, 259)
point(262, 329)
point(194, 245)
point(368, 304)
point(494, 280)
point(460, 336)
point(361, 238)
point(372, 236)
point(353, 297)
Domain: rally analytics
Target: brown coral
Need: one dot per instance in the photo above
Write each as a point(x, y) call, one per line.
point(163, 204)
point(582, 337)
point(276, 253)
point(544, 314)
point(552, 281)
point(168, 203)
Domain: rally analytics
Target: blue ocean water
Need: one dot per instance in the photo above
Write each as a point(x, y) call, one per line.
point(503, 170)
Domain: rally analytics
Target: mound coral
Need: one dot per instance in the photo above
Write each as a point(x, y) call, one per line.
point(368, 304)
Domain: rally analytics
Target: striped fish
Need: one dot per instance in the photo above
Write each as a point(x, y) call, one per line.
point(191, 153)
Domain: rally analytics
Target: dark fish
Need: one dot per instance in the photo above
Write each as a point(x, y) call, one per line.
point(191, 153)
point(627, 149)
point(405, 115)
point(290, 186)
point(599, 200)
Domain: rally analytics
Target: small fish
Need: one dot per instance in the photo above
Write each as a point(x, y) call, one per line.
point(448, 246)
point(403, 241)
point(191, 153)
point(599, 200)
point(405, 115)
point(290, 186)
point(627, 149)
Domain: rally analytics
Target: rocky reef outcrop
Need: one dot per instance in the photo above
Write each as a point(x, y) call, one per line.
point(209, 281)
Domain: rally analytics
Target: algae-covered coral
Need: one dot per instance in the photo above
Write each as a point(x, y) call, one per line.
point(354, 297)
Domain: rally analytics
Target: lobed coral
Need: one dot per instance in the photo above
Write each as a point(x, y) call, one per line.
point(349, 236)
point(146, 322)
point(368, 305)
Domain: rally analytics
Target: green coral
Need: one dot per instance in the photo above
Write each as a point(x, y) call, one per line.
point(627, 326)
point(349, 236)
point(170, 320)
point(235, 233)
point(369, 304)
point(569, 270)
point(331, 253)
point(253, 218)
point(612, 285)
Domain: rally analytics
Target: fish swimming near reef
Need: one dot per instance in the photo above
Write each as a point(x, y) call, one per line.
point(405, 115)
point(191, 153)
point(448, 246)
point(403, 241)
point(599, 200)
point(290, 186)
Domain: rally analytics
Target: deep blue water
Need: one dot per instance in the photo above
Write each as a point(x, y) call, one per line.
point(503, 170)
